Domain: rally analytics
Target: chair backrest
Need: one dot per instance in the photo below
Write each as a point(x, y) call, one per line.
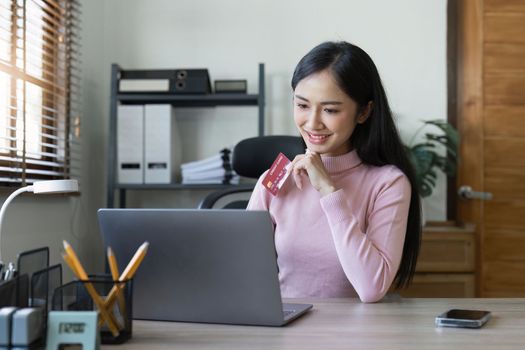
point(230, 198)
point(253, 156)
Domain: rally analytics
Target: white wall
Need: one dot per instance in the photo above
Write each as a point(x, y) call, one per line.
point(406, 39)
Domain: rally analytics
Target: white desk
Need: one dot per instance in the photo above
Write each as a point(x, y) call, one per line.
point(349, 324)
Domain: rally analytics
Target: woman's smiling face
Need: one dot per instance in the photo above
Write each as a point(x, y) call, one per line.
point(324, 114)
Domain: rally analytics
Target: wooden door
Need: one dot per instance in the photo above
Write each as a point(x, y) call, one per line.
point(491, 120)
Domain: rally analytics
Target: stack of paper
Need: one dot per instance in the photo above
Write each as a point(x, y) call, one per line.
point(213, 170)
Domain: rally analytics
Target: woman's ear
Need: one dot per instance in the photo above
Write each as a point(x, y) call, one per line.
point(365, 113)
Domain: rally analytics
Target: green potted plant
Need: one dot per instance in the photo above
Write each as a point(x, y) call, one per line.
point(428, 155)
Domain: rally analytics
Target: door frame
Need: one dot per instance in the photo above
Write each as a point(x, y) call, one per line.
point(469, 107)
point(452, 90)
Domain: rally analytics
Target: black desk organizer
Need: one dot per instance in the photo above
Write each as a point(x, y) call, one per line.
point(74, 296)
point(40, 285)
point(32, 286)
point(16, 291)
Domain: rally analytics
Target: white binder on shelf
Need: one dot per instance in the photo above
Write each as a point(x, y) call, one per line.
point(162, 152)
point(130, 144)
point(144, 85)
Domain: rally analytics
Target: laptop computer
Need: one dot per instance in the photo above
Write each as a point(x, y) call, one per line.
point(213, 266)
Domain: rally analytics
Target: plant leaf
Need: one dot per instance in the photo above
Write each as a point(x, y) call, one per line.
point(426, 156)
point(441, 139)
point(450, 132)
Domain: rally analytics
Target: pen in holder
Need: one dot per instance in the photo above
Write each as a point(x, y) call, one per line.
point(117, 299)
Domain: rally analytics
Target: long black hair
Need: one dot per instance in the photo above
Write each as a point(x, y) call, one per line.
point(376, 141)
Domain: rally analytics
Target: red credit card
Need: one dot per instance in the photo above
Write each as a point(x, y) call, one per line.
point(277, 174)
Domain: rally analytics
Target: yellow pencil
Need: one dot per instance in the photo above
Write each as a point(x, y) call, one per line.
point(81, 274)
point(128, 273)
point(113, 267)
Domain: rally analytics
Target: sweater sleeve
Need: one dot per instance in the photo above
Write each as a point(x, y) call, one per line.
point(259, 199)
point(370, 259)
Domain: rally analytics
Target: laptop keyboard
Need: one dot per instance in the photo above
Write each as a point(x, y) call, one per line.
point(287, 313)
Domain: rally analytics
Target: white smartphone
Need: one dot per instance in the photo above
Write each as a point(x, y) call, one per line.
point(463, 318)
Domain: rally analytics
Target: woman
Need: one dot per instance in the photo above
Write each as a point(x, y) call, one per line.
point(347, 221)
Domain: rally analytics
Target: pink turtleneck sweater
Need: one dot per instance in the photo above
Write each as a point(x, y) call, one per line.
point(346, 243)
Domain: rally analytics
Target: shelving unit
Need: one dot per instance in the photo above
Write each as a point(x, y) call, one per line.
point(177, 101)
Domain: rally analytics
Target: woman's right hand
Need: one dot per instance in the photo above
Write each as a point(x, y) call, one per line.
point(311, 166)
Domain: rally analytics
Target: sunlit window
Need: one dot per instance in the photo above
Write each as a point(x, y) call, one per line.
point(5, 91)
point(39, 115)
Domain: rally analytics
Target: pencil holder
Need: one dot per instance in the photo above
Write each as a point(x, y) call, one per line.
point(114, 297)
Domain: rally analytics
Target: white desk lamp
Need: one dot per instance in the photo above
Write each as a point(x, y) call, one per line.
point(39, 187)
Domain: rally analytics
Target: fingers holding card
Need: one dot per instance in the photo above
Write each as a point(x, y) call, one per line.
point(309, 165)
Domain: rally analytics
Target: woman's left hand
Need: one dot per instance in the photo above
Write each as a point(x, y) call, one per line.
point(311, 165)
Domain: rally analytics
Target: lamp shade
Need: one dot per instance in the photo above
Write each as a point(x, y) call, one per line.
point(55, 186)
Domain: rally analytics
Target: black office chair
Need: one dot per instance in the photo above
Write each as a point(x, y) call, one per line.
point(251, 158)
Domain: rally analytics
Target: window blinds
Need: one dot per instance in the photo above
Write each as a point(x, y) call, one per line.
point(39, 90)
